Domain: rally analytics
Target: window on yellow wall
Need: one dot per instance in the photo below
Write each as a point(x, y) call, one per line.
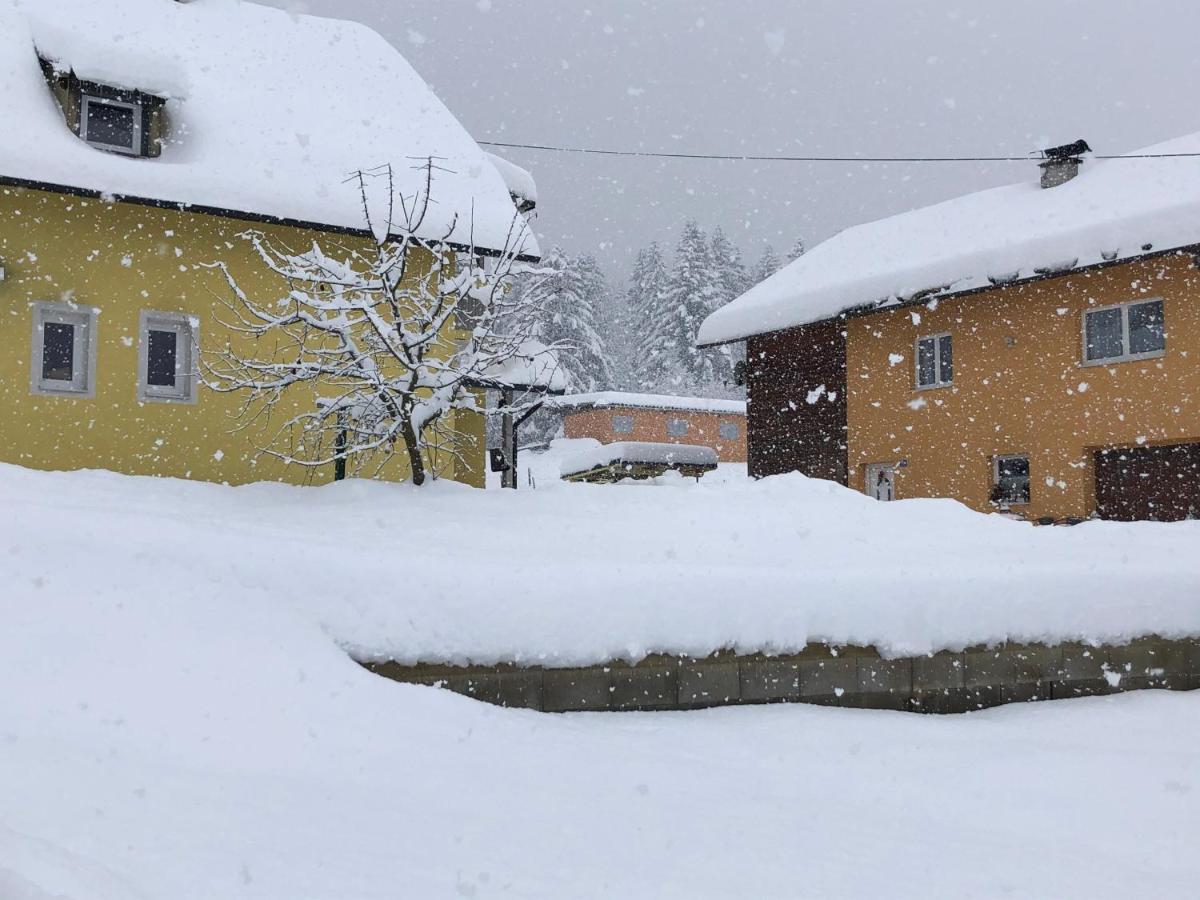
point(64, 350)
point(167, 365)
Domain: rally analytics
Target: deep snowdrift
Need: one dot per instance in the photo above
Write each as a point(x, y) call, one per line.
point(176, 724)
point(572, 574)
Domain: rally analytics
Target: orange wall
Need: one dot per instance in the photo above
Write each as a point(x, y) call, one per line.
point(651, 425)
point(1020, 386)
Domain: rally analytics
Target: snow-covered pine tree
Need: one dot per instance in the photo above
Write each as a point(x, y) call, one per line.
point(768, 264)
point(565, 291)
point(731, 272)
point(655, 362)
point(693, 291)
point(797, 250)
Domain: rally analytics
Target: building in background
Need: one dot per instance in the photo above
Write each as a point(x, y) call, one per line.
point(1034, 348)
point(611, 416)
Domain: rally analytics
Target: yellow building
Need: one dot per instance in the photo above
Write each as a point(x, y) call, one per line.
point(129, 167)
point(1030, 349)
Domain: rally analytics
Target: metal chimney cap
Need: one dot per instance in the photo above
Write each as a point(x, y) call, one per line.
point(1067, 151)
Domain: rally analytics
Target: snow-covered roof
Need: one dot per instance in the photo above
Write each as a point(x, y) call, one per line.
point(519, 181)
point(533, 367)
point(639, 452)
point(1114, 209)
point(606, 399)
point(269, 111)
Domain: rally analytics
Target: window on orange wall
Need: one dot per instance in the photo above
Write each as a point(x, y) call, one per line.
point(1011, 480)
point(677, 427)
point(622, 424)
point(729, 431)
point(935, 361)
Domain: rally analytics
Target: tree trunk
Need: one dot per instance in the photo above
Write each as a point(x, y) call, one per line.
point(412, 446)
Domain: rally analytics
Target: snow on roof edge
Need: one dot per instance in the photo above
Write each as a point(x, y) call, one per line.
point(607, 399)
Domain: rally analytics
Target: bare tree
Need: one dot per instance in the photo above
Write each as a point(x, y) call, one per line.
point(366, 350)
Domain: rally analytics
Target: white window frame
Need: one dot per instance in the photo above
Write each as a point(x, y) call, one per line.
point(1004, 457)
point(686, 425)
point(187, 375)
point(722, 426)
point(86, 100)
point(624, 418)
point(83, 380)
point(937, 361)
point(1125, 356)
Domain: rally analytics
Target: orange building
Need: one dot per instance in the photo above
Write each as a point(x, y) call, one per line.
point(1028, 349)
point(610, 416)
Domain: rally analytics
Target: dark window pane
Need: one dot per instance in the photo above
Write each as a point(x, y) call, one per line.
point(58, 351)
point(946, 354)
point(1104, 334)
point(111, 125)
point(160, 358)
point(1146, 333)
point(1014, 466)
point(1013, 479)
point(926, 372)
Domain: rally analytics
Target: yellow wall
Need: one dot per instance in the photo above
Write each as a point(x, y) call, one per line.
point(123, 258)
point(1020, 387)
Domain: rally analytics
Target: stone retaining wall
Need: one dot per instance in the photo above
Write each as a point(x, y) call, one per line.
point(836, 676)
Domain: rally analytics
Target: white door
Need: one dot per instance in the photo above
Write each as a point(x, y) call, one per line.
point(881, 481)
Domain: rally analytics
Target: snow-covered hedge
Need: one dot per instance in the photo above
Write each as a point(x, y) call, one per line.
point(573, 574)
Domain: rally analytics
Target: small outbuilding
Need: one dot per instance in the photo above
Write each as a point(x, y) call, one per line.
point(621, 417)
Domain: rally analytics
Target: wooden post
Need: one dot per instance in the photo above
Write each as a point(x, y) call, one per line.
point(508, 440)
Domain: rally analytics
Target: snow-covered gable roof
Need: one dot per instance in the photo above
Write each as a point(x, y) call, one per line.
point(608, 399)
point(1114, 209)
point(270, 112)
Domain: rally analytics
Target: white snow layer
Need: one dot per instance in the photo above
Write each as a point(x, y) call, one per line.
point(270, 112)
point(638, 452)
point(605, 399)
point(534, 366)
point(571, 574)
point(1114, 209)
point(176, 724)
point(519, 181)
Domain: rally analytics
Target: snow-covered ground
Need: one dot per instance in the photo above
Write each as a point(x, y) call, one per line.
point(178, 720)
point(568, 574)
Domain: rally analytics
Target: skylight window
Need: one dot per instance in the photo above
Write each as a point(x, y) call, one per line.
point(111, 124)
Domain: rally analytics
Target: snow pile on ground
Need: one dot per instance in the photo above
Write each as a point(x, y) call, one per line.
point(178, 721)
point(1113, 209)
point(570, 574)
point(269, 112)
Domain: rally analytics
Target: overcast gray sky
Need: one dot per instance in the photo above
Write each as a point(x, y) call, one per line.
point(823, 77)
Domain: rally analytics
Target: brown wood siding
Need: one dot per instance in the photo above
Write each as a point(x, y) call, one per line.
point(1160, 484)
point(786, 432)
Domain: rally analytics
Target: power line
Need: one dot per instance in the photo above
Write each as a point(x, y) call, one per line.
point(750, 157)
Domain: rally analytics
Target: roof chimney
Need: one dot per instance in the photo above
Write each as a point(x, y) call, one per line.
point(1060, 164)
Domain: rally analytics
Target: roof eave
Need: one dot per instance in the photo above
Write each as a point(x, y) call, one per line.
point(923, 298)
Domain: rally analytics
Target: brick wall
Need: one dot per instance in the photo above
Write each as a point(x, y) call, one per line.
point(651, 425)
